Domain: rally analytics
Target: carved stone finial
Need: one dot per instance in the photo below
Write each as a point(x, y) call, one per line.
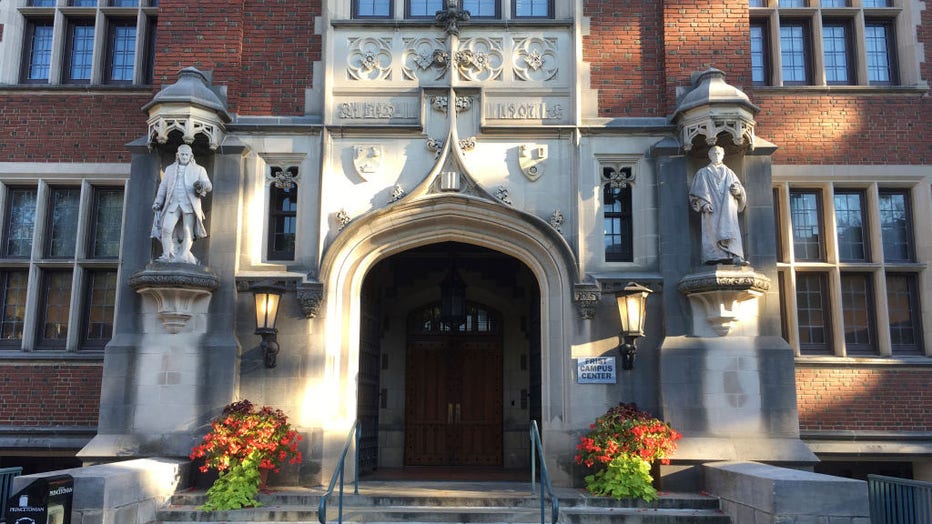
point(451, 16)
point(467, 144)
point(398, 193)
point(309, 296)
point(435, 145)
point(587, 295)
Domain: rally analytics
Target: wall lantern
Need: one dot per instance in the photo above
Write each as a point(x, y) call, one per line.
point(453, 300)
point(632, 309)
point(268, 297)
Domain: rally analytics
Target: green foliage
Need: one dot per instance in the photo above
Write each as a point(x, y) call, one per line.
point(625, 477)
point(620, 446)
point(235, 488)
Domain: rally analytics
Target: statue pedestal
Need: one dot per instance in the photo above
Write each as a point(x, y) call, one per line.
point(177, 290)
point(724, 300)
point(166, 368)
point(728, 390)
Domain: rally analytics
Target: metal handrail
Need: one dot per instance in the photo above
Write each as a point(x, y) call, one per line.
point(899, 501)
point(537, 448)
point(6, 486)
point(338, 473)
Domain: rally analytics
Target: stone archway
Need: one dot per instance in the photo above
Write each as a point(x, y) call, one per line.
point(432, 219)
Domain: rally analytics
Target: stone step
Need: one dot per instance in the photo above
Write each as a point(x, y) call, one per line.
point(447, 503)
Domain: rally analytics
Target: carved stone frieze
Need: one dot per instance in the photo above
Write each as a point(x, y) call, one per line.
point(480, 59)
point(740, 129)
point(309, 296)
point(586, 296)
point(618, 175)
point(370, 58)
point(424, 59)
point(535, 59)
point(160, 125)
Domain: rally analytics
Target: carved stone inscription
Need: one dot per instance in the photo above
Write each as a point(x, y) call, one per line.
point(383, 110)
point(522, 110)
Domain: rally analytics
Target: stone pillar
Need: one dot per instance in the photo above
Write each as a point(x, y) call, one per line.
point(173, 362)
point(727, 379)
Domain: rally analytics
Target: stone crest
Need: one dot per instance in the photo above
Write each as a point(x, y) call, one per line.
point(367, 159)
point(531, 160)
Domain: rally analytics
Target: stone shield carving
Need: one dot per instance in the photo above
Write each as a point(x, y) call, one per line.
point(531, 160)
point(367, 159)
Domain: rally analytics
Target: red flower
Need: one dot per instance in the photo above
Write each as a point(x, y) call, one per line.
point(625, 431)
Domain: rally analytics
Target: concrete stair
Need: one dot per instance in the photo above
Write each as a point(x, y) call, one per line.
point(449, 502)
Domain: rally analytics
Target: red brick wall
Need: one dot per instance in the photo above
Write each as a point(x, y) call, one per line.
point(262, 51)
point(625, 51)
point(864, 398)
point(70, 127)
point(699, 34)
point(36, 394)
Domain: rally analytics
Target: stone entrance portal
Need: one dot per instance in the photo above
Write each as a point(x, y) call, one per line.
point(440, 394)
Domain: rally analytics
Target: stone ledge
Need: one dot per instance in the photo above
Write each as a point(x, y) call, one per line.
point(126, 492)
point(761, 493)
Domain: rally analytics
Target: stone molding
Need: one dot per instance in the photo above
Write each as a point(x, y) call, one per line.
point(721, 297)
point(175, 288)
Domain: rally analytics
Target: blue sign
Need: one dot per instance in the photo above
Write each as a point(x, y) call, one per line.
point(595, 370)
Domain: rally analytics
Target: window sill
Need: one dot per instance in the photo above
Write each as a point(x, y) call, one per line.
point(837, 89)
point(78, 89)
point(832, 361)
point(57, 355)
point(478, 23)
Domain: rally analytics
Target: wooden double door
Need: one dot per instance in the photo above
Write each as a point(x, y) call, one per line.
point(453, 401)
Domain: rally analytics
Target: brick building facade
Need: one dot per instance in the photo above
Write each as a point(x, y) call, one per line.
point(536, 108)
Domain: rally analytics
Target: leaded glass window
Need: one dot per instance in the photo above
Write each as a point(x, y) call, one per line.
point(895, 228)
point(54, 309)
point(63, 225)
point(806, 215)
point(108, 221)
point(849, 221)
point(15, 285)
point(101, 297)
point(21, 220)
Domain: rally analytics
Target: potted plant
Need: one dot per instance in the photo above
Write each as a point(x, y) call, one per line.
point(620, 447)
point(243, 445)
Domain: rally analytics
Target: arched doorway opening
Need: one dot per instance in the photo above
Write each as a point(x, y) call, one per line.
point(457, 396)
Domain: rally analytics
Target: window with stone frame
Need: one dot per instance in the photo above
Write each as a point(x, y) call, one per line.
point(88, 42)
point(478, 9)
point(59, 257)
point(283, 215)
point(829, 42)
point(848, 279)
point(618, 227)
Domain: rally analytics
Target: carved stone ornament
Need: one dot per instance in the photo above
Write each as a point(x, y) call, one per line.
point(367, 159)
point(557, 220)
point(502, 194)
point(722, 298)
point(586, 296)
point(435, 145)
point(531, 160)
point(284, 169)
point(618, 176)
point(535, 59)
point(480, 59)
point(309, 296)
point(440, 103)
point(451, 16)
point(425, 59)
point(369, 58)
point(467, 144)
point(398, 193)
point(343, 218)
point(176, 289)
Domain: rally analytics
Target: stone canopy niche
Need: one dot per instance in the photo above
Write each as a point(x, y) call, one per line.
point(727, 377)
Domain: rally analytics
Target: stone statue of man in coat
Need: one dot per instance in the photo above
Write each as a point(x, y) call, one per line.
point(179, 201)
point(717, 194)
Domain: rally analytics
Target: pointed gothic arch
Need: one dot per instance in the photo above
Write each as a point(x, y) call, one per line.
point(445, 217)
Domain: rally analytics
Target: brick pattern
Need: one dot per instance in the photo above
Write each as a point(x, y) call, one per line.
point(864, 398)
point(624, 51)
point(263, 52)
point(35, 394)
point(70, 127)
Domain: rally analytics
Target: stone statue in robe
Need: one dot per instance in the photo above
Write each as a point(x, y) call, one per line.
point(717, 194)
